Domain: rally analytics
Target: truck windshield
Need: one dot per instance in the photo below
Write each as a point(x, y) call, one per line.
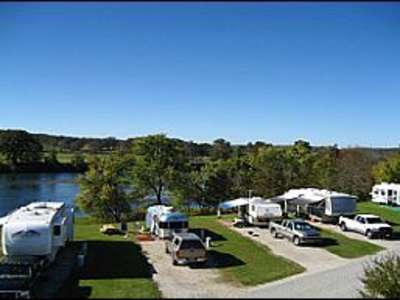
point(302, 226)
point(191, 244)
point(375, 220)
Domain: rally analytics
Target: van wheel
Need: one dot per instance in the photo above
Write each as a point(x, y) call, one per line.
point(369, 234)
point(343, 227)
point(296, 240)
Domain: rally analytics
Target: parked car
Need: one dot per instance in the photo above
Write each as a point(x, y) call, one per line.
point(186, 248)
point(369, 225)
point(298, 231)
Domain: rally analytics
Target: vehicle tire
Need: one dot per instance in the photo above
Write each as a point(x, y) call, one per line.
point(343, 226)
point(166, 250)
point(368, 233)
point(274, 234)
point(296, 241)
point(174, 262)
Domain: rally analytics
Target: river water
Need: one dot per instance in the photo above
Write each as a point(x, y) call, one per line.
point(21, 189)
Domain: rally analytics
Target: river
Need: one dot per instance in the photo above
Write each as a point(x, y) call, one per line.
point(23, 188)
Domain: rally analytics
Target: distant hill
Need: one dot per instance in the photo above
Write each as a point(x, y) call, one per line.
point(100, 145)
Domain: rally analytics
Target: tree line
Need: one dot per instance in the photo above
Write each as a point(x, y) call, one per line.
point(158, 166)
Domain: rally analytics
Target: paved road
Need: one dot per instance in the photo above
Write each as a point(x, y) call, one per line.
point(339, 282)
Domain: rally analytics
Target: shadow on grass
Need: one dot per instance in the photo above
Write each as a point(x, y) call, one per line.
point(218, 260)
point(107, 260)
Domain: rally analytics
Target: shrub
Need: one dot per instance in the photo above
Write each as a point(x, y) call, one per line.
point(382, 278)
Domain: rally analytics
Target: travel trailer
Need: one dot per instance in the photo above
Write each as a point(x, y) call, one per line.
point(164, 220)
point(320, 204)
point(386, 193)
point(255, 210)
point(37, 229)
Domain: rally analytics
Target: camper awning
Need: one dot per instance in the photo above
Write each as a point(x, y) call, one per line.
point(3, 220)
point(233, 203)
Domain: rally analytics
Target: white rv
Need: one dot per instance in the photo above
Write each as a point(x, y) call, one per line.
point(38, 229)
point(318, 203)
point(163, 221)
point(255, 210)
point(386, 193)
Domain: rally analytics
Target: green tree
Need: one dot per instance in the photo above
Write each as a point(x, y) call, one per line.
point(51, 157)
point(102, 192)
point(387, 170)
point(382, 278)
point(354, 172)
point(157, 165)
point(78, 160)
point(19, 146)
point(270, 173)
point(221, 149)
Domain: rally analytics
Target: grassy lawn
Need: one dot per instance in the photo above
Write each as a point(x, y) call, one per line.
point(389, 215)
point(115, 267)
point(241, 259)
point(339, 244)
point(347, 247)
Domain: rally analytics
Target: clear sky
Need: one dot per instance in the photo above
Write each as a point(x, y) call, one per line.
point(325, 72)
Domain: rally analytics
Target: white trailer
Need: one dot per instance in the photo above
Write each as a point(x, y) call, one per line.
point(255, 210)
point(386, 193)
point(38, 229)
point(319, 204)
point(164, 220)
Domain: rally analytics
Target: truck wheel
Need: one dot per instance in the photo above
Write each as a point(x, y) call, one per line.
point(296, 240)
point(274, 234)
point(369, 234)
point(343, 226)
point(166, 250)
point(174, 262)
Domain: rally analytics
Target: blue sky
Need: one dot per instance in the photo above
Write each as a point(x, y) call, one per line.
point(325, 72)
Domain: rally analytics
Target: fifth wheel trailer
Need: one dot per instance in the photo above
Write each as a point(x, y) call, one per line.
point(31, 238)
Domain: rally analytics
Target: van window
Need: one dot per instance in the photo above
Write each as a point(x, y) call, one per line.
point(191, 244)
point(57, 230)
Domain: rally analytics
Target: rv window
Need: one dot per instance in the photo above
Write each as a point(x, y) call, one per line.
point(253, 208)
point(382, 192)
point(56, 230)
point(390, 192)
point(376, 192)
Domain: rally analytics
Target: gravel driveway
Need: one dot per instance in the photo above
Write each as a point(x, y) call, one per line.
point(314, 259)
point(183, 281)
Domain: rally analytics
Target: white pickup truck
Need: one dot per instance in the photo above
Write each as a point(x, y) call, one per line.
point(369, 225)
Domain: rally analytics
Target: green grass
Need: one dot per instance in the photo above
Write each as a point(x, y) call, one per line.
point(389, 215)
point(115, 267)
point(339, 244)
point(347, 247)
point(242, 260)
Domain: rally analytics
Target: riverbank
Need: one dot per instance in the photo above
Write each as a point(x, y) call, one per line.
point(42, 167)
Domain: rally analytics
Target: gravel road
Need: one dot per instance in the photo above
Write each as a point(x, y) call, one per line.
point(183, 281)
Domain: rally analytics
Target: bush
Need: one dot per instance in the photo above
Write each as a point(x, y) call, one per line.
point(382, 278)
